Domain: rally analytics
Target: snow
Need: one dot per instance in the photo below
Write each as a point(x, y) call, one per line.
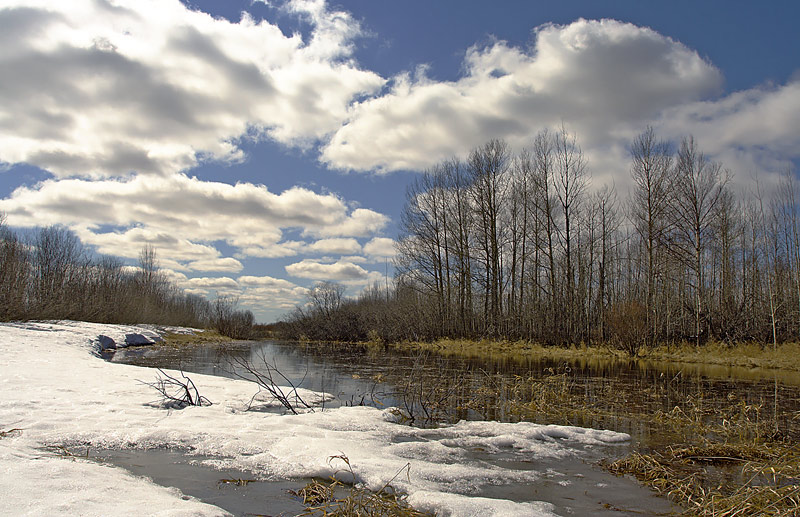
point(55, 388)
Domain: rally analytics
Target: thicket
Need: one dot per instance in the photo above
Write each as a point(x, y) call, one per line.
point(49, 274)
point(525, 246)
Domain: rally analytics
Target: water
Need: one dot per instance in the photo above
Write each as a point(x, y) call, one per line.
point(436, 389)
point(441, 389)
point(233, 490)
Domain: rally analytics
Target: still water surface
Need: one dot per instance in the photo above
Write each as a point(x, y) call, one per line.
point(377, 377)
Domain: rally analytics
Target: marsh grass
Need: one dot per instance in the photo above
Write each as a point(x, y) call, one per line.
point(511, 350)
point(714, 442)
point(195, 338)
point(714, 453)
point(762, 479)
point(320, 497)
point(785, 356)
point(750, 355)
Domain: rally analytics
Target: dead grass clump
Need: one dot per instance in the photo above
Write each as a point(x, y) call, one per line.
point(320, 499)
point(195, 338)
point(752, 500)
point(722, 479)
point(785, 356)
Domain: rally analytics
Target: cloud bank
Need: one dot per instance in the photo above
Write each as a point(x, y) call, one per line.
point(181, 216)
point(606, 80)
point(106, 88)
point(120, 99)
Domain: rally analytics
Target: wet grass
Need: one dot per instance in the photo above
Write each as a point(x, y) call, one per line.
point(717, 448)
point(714, 454)
point(749, 355)
point(762, 478)
point(195, 338)
point(321, 500)
point(334, 498)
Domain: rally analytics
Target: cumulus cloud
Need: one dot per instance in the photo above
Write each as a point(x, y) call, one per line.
point(592, 74)
point(336, 246)
point(105, 89)
point(759, 126)
point(315, 270)
point(211, 283)
point(182, 216)
point(224, 264)
point(266, 282)
point(380, 247)
point(267, 291)
point(605, 80)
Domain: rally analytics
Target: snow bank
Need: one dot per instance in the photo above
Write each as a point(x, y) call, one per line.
point(53, 388)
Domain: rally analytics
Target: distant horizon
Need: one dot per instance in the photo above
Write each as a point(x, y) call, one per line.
point(261, 147)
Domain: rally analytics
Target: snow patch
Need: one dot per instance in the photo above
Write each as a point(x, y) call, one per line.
point(57, 392)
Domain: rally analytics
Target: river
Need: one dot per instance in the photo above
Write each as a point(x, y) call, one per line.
point(435, 389)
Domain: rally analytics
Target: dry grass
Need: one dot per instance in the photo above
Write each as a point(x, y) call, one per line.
point(319, 498)
point(765, 482)
point(198, 338)
point(515, 350)
point(750, 355)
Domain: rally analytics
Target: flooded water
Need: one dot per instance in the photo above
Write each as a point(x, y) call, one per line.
point(436, 389)
point(445, 389)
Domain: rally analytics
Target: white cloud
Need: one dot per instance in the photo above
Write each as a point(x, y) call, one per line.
point(152, 86)
point(183, 216)
point(225, 264)
point(360, 223)
point(265, 282)
point(380, 247)
point(211, 283)
point(336, 246)
point(605, 80)
point(759, 127)
point(338, 271)
point(266, 294)
point(595, 75)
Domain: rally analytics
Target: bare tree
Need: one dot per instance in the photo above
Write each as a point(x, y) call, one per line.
point(57, 257)
point(488, 168)
point(608, 220)
point(14, 274)
point(546, 226)
point(326, 297)
point(570, 181)
point(652, 173)
point(699, 187)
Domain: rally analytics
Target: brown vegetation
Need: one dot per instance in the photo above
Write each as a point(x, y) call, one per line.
point(524, 247)
point(51, 275)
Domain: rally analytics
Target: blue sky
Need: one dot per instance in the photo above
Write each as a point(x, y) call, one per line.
point(264, 146)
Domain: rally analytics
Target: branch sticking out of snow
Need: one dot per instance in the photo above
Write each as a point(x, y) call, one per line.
point(176, 393)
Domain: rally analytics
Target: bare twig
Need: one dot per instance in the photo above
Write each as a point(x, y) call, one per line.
point(265, 374)
point(177, 393)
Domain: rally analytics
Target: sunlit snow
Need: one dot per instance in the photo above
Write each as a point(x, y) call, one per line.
point(55, 388)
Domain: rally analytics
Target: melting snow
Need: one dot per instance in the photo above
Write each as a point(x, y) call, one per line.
point(54, 388)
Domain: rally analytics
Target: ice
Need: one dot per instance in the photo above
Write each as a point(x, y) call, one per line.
point(55, 390)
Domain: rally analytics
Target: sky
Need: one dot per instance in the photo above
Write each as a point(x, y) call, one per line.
point(263, 146)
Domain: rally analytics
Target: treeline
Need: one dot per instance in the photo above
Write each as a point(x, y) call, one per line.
point(49, 274)
point(524, 246)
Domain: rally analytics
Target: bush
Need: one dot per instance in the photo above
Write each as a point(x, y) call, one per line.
point(627, 325)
